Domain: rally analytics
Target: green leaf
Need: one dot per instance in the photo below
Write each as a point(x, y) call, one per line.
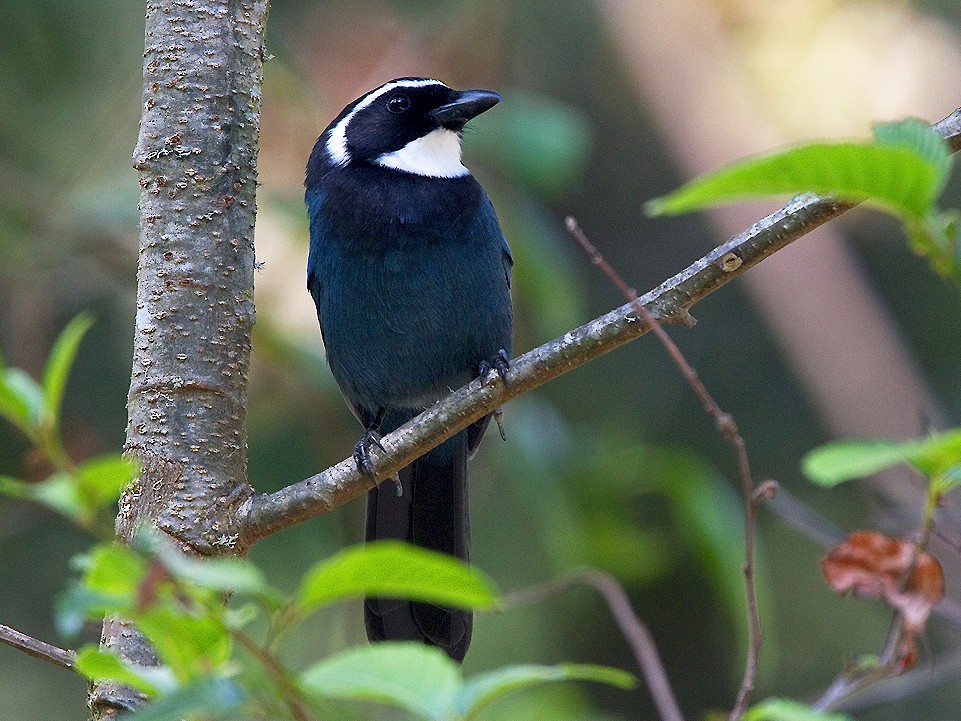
point(235, 575)
point(80, 604)
point(420, 679)
point(100, 480)
point(936, 454)
point(894, 175)
point(115, 570)
point(936, 237)
point(396, 570)
point(782, 709)
point(952, 478)
point(485, 688)
point(208, 698)
point(99, 665)
point(14, 487)
point(21, 400)
point(60, 493)
point(97, 482)
point(190, 645)
point(841, 461)
point(920, 138)
point(59, 362)
point(232, 575)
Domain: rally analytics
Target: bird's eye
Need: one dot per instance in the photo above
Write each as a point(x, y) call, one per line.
point(398, 103)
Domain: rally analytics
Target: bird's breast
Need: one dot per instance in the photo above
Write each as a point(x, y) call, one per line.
point(410, 288)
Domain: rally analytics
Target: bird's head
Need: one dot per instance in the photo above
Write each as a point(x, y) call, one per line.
point(409, 124)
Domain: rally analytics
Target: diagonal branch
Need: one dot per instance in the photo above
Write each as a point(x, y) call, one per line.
point(265, 514)
point(37, 648)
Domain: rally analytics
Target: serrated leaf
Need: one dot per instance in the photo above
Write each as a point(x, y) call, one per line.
point(208, 698)
point(396, 570)
point(841, 461)
point(100, 480)
point(420, 679)
point(920, 138)
point(481, 690)
point(59, 362)
point(99, 665)
point(892, 175)
point(782, 709)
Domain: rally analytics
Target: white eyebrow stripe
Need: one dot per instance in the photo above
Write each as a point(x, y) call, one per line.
point(337, 140)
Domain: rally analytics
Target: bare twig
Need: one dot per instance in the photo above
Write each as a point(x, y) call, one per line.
point(36, 648)
point(289, 692)
point(632, 628)
point(728, 428)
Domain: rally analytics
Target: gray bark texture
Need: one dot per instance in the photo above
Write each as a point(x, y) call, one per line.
point(197, 157)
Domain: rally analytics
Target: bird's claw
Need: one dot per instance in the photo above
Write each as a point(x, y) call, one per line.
point(362, 452)
point(499, 420)
point(500, 363)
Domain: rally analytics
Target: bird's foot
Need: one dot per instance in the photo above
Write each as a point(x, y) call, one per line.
point(362, 452)
point(500, 363)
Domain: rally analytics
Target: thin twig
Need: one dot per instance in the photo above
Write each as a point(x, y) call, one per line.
point(632, 628)
point(728, 428)
point(288, 689)
point(36, 648)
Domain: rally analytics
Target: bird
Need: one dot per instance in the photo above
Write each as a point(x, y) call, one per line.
point(410, 273)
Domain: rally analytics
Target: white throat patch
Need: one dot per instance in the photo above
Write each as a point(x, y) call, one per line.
point(337, 140)
point(436, 155)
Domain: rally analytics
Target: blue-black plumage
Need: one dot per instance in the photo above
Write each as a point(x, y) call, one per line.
point(410, 273)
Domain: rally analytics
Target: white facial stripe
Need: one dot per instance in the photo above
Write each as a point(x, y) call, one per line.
point(337, 140)
point(436, 155)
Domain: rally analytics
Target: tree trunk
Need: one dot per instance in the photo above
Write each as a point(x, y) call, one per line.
point(197, 157)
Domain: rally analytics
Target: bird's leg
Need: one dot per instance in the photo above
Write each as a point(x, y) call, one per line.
point(371, 438)
point(500, 363)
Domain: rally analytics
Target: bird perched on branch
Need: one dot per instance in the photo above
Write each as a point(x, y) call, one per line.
point(410, 273)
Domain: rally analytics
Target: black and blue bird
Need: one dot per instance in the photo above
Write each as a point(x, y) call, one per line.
point(411, 274)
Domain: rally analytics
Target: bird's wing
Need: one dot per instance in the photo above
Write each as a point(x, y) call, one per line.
point(314, 198)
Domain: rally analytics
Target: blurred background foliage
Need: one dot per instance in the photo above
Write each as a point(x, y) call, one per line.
point(614, 465)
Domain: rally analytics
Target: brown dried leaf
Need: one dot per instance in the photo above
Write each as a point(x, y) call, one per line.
point(873, 565)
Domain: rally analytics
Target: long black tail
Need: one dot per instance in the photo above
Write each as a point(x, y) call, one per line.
point(431, 512)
